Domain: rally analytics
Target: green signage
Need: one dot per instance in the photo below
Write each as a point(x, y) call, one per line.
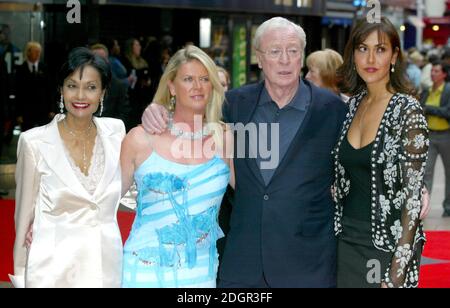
point(239, 56)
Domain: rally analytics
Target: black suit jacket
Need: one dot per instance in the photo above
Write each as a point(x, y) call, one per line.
point(283, 231)
point(33, 96)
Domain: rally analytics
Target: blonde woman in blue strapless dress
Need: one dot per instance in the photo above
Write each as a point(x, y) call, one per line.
point(181, 177)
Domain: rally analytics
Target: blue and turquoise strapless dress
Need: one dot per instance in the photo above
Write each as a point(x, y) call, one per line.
point(173, 239)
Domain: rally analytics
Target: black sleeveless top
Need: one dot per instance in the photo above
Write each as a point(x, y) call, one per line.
point(357, 166)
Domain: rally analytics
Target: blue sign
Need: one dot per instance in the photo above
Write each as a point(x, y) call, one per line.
point(359, 3)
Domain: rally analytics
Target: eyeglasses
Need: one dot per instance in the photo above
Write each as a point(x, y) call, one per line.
point(276, 53)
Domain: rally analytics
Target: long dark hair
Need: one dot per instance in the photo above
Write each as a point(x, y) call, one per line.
point(350, 81)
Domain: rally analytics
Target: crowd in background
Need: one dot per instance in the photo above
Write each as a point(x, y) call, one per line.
point(30, 94)
point(370, 77)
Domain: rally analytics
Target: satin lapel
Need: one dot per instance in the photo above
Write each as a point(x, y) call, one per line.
point(111, 142)
point(247, 109)
point(53, 153)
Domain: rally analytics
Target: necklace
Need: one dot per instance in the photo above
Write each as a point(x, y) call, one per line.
point(179, 133)
point(361, 119)
point(85, 141)
point(368, 104)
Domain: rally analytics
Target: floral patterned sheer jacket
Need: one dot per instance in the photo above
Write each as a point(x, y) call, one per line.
point(397, 169)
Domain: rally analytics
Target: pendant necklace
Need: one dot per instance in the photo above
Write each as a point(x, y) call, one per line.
point(85, 141)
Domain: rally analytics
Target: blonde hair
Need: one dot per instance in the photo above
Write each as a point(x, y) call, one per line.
point(213, 112)
point(327, 61)
point(100, 46)
point(225, 73)
point(29, 46)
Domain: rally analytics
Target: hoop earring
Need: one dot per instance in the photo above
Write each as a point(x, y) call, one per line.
point(101, 107)
point(173, 102)
point(61, 104)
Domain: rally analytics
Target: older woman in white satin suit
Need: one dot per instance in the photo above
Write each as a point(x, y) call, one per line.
point(69, 186)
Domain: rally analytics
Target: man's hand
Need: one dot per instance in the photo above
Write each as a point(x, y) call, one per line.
point(29, 237)
point(426, 207)
point(155, 118)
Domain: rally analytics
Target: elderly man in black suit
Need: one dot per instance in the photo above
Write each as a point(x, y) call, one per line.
point(33, 90)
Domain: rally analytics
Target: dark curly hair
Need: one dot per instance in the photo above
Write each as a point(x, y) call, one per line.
point(350, 81)
point(445, 68)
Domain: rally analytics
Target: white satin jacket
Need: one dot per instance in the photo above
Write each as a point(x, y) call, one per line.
point(76, 238)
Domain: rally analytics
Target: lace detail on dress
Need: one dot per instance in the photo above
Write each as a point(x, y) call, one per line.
point(96, 169)
point(398, 167)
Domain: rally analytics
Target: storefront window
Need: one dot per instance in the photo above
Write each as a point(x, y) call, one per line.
point(220, 45)
point(19, 25)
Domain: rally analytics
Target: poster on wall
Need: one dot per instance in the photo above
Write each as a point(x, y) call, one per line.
point(239, 56)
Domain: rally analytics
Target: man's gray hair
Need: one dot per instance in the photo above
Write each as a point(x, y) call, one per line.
point(277, 23)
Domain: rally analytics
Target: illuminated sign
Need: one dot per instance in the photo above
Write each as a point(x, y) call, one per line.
point(266, 6)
